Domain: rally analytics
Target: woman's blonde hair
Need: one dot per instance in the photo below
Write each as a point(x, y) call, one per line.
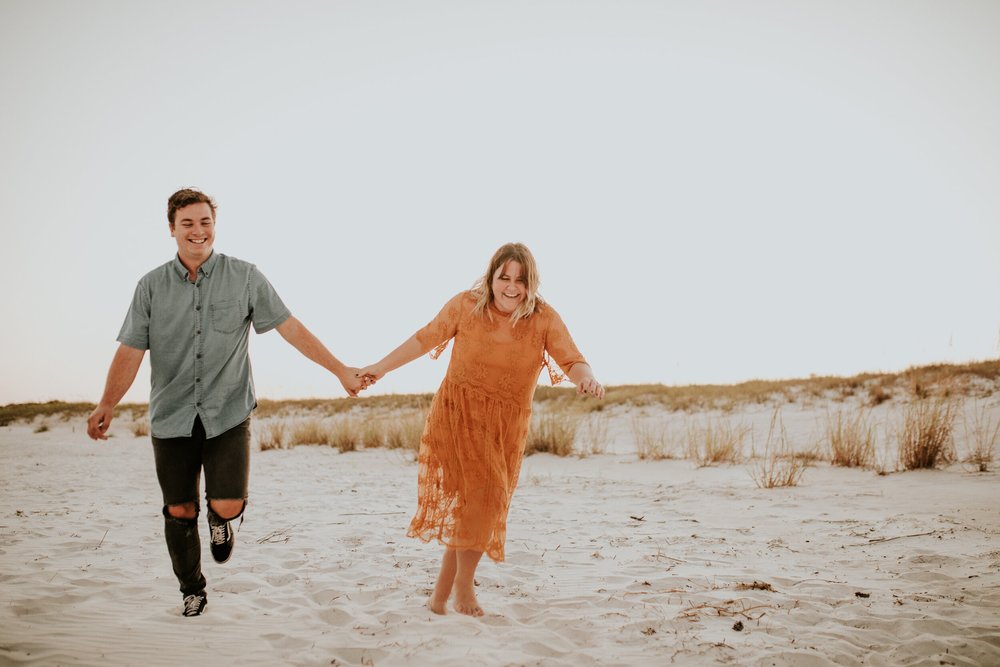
point(483, 289)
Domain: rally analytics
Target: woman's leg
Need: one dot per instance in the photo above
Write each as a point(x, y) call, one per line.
point(465, 581)
point(446, 577)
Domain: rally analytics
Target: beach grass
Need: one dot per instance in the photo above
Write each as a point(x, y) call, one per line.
point(977, 379)
point(652, 439)
point(595, 434)
point(715, 441)
point(924, 434)
point(779, 465)
point(272, 435)
point(552, 432)
point(982, 432)
point(850, 438)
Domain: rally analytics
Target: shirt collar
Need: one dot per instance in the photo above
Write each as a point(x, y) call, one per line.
point(204, 270)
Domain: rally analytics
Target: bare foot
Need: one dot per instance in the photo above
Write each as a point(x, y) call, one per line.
point(466, 603)
point(437, 607)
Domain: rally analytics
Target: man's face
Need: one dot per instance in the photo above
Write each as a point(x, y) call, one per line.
point(194, 230)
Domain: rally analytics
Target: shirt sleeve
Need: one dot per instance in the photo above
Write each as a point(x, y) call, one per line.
point(436, 334)
point(135, 329)
point(559, 347)
point(267, 310)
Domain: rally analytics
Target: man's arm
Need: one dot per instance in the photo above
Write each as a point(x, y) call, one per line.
point(121, 375)
point(305, 342)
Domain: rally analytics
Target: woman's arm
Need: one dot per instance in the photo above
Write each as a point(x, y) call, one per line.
point(442, 328)
point(402, 355)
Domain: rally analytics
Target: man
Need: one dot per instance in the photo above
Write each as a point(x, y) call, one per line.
point(193, 314)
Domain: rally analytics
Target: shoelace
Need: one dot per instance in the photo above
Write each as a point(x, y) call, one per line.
point(220, 533)
point(192, 603)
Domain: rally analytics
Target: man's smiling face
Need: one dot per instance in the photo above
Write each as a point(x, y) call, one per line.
point(194, 231)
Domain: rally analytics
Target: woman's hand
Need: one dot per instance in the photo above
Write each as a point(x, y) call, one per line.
point(370, 374)
point(353, 381)
point(590, 386)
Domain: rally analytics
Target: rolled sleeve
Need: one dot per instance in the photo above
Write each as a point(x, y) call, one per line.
point(135, 329)
point(267, 310)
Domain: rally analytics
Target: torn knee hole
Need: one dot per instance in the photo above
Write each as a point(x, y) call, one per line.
point(181, 511)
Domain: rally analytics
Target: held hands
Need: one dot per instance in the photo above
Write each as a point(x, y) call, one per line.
point(355, 381)
point(370, 374)
point(99, 421)
point(590, 386)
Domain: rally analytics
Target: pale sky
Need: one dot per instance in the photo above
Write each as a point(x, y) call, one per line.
point(714, 191)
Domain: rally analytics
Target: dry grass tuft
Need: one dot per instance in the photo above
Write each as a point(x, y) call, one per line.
point(551, 433)
point(652, 440)
point(877, 395)
point(851, 439)
point(272, 435)
point(925, 435)
point(41, 428)
point(595, 435)
point(982, 433)
point(715, 442)
point(779, 466)
point(755, 586)
point(404, 431)
point(372, 432)
point(312, 431)
point(346, 434)
point(140, 428)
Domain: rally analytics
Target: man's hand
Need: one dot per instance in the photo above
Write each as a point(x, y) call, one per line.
point(354, 381)
point(99, 421)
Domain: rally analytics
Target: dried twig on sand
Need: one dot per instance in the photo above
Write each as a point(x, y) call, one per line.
point(280, 535)
point(727, 608)
point(889, 539)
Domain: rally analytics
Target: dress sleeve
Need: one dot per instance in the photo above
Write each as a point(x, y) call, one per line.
point(435, 335)
point(559, 347)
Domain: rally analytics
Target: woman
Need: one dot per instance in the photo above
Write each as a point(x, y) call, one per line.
point(473, 441)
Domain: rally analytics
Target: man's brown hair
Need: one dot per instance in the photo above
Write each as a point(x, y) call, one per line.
point(186, 197)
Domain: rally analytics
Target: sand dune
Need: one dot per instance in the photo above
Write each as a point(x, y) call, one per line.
point(611, 561)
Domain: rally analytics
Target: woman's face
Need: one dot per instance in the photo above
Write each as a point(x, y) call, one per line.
point(509, 287)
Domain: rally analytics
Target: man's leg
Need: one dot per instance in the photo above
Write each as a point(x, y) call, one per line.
point(178, 469)
point(227, 479)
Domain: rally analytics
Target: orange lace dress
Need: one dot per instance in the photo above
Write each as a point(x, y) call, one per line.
point(473, 441)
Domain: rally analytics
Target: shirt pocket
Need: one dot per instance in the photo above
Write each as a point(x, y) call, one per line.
point(226, 316)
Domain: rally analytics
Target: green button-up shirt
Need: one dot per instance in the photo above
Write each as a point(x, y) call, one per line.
point(197, 335)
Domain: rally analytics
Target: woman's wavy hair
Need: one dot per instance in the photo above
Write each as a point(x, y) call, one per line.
point(482, 291)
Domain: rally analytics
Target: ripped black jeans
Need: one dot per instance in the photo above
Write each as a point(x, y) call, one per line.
point(179, 462)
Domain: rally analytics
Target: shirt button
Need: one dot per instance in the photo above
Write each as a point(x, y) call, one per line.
point(197, 356)
point(197, 307)
point(197, 405)
point(198, 332)
point(197, 379)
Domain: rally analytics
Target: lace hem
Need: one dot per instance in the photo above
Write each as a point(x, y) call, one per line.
point(555, 374)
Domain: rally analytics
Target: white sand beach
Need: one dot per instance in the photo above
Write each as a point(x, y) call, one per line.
point(611, 561)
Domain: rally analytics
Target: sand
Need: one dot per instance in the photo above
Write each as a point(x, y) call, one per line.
point(611, 561)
